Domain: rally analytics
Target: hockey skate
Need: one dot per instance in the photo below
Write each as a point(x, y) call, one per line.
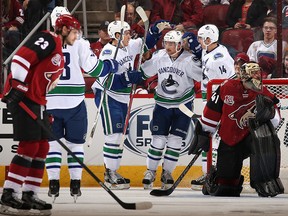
point(115, 181)
point(166, 179)
point(54, 187)
point(75, 191)
point(12, 205)
point(39, 206)
point(197, 184)
point(149, 178)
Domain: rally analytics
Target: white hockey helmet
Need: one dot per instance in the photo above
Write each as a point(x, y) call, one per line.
point(57, 12)
point(173, 36)
point(115, 27)
point(209, 31)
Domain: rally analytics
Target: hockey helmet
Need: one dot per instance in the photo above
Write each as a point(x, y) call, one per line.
point(115, 27)
point(173, 36)
point(250, 75)
point(68, 21)
point(209, 31)
point(57, 12)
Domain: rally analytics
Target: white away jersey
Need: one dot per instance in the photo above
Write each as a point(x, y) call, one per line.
point(216, 64)
point(125, 57)
point(70, 90)
point(175, 78)
point(259, 48)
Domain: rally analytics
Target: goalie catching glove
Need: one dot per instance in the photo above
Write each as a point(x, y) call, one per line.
point(265, 109)
point(201, 140)
point(16, 93)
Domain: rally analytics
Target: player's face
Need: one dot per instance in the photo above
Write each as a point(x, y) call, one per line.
point(203, 42)
point(170, 47)
point(126, 38)
point(72, 37)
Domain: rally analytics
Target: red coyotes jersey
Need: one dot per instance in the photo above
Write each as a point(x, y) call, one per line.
point(38, 63)
point(232, 105)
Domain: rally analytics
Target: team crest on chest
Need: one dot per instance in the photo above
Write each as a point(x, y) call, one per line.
point(229, 100)
point(56, 60)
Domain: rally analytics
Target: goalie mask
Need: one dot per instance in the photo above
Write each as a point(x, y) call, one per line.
point(250, 75)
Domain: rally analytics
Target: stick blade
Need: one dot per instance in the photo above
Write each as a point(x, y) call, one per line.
point(160, 192)
point(136, 206)
point(143, 205)
point(142, 14)
point(185, 110)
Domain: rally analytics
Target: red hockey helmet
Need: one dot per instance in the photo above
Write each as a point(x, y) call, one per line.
point(67, 20)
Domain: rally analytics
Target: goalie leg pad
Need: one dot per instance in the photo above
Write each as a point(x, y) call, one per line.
point(270, 188)
point(265, 158)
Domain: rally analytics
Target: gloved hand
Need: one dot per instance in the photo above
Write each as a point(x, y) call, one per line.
point(111, 66)
point(194, 45)
point(16, 93)
point(131, 77)
point(159, 25)
point(200, 141)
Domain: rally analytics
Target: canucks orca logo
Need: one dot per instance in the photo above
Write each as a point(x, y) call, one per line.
point(139, 137)
point(169, 85)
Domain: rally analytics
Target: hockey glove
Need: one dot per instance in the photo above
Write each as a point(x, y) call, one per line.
point(265, 109)
point(131, 77)
point(16, 93)
point(110, 66)
point(159, 26)
point(194, 45)
point(201, 140)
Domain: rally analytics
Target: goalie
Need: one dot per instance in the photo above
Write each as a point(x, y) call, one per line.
point(248, 114)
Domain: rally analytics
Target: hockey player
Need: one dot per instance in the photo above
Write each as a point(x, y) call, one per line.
point(247, 113)
point(216, 64)
point(35, 70)
point(177, 70)
point(116, 98)
point(66, 103)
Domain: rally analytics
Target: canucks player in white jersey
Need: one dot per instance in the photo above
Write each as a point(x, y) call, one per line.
point(216, 64)
point(66, 104)
point(116, 98)
point(177, 70)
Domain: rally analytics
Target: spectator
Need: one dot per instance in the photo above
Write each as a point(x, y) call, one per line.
point(184, 14)
point(211, 2)
point(12, 20)
point(266, 48)
point(133, 20)
point(285, 65)
point(246, 13)
point(104, 38)
point(285, 14)
point(34, 11)
point(145, 4)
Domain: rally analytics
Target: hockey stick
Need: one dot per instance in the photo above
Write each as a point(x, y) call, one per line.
point(132, 206)
point(187, 111)
point(167, 192)
point(122, 16)
point(145, 20)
